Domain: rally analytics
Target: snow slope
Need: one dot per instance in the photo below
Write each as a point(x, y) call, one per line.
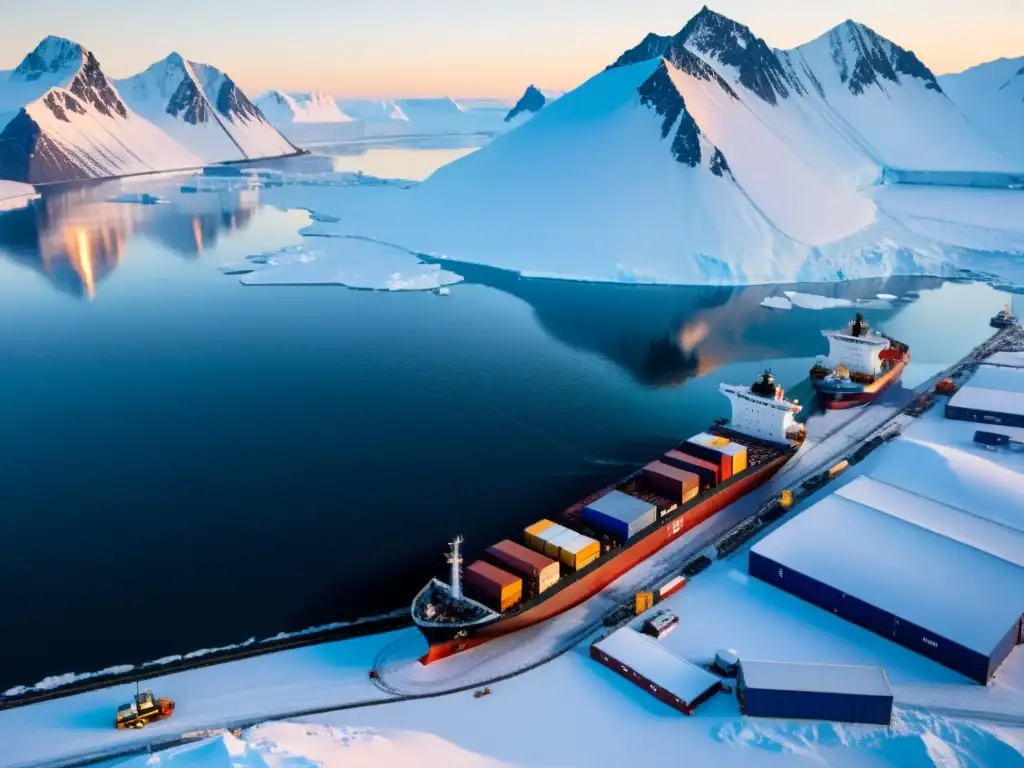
point(282, 108)
point(530, 103)
point(63, 119)
point(293, 744)
point(203, 107)
point(372, 111)
point(992, 97)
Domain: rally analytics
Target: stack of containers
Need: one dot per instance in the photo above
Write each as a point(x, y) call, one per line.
point(708, 472)
point(677, 485)
point(578, 553)
point(620, 515)
point(497, 589)
point(731, 457)
point(531, 536)
point(553, 544)
point(538, 572)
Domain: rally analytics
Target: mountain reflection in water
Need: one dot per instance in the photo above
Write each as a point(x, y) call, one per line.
point(77, 239)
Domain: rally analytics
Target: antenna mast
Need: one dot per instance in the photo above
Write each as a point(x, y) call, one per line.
point(455, 561)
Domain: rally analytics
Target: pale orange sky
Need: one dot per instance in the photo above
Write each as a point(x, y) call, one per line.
point(461, 48)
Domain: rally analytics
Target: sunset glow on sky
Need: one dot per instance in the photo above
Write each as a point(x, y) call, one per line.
point(464, 48)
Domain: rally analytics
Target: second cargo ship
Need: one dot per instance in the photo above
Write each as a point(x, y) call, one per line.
point(567, 559)
point(861, 363)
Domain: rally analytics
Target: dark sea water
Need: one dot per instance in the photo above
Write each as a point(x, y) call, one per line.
point(193, 462)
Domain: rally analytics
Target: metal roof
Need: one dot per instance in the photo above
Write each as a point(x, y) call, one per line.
point(621, 506)
point(817, 678)
point(652, 660)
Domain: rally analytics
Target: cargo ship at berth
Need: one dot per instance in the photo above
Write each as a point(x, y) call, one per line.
point(861, 363)
point(563, 560)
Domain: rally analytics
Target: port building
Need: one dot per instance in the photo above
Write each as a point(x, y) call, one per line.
point(993, 395)
point(648, 664)
point(932, 577)
point(841, 693)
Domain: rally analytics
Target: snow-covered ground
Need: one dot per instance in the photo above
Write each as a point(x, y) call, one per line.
point(14, 195)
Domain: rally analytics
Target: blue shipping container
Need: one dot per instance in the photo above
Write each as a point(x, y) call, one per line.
point(620, 515)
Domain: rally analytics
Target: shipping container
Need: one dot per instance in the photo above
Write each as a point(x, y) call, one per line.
point(620, 515)
point(835, 469)
point(531, 534)
point(737, 452)
point(670, 587)
point(536, 570)
point(579, 552)
point(675, 484)
point(498, 589)
point(993, 439)
point(553, 546)
point(642, 602)
point(705, 470)
point(551, 532)
point(840, 693)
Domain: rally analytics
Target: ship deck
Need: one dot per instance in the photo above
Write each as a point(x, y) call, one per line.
point(759, 453)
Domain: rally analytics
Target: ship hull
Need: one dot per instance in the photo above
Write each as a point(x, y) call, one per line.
point(447, 641)
point(834, 397)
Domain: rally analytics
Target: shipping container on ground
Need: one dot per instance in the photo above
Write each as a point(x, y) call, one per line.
point(649, 665)
point(676, 485)
point(538, 571)
point(670, 587)
point(877, 568)
point(840, 693)
point(620, 515)
point(708, 472)
point(498, 589)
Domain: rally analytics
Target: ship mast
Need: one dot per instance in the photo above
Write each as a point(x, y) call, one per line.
point(454, 559)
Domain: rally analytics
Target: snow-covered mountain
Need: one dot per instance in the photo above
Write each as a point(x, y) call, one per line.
point(63, 119)
point(372, 111)
point(282, 108)
point(709, 157)
point(992, 97)
point(204, 109)
point(530, 103)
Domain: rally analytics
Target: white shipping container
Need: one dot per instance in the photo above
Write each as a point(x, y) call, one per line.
point(671, 586)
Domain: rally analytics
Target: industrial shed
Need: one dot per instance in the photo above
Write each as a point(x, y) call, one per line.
point(651, 666)
point(841, 693)
point(1006, 359)
point(947, 600)
point(993, 395)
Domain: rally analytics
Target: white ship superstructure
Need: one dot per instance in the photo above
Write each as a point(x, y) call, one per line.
point(762, 410)
point(856, 348)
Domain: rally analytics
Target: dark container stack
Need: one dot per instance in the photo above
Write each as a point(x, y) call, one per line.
point(677, 485)
point(708, 472)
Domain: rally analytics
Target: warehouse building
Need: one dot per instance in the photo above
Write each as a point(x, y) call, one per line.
point(993, 395)
point(1006, 359)
point(651, 666)
point(840, 693)
point(960, 604)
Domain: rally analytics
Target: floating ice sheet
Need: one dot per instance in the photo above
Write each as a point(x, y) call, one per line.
point(348, 261)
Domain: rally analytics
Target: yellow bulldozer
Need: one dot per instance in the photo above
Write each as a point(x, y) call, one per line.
point(143, 709)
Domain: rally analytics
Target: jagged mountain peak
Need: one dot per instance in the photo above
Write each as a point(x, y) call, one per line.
point(53, 54)
point(865, 58)
point(651, 47)
point(532, 101)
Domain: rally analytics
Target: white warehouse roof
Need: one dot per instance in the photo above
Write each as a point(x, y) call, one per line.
point(978, 532)
point(652, 660)
point(993, 388)
point(962, 594)
point(816, 678)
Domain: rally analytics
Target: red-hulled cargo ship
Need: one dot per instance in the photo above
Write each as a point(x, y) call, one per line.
point(860, 364)
point(759, 439)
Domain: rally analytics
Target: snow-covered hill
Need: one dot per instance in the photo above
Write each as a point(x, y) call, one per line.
point(63, 119)
point(992, 97)
point(204, 109)
point(372, 111)
point(530, 103)
point(282, 108)
point(709, 157)
point(426, 116)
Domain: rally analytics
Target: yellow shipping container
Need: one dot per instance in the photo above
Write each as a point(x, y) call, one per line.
point(739, 462)
point(836, 469)
point(644, 600)
point(786, 499)
point(579, 552)
point(533, 531)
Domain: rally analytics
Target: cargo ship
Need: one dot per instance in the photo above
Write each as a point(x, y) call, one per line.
point(861, 363)
point(565, 559)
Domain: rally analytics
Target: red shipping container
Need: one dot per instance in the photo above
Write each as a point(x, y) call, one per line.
point(675, 484)
point(540, 571)
point(495, 588)
point(709, 473)
point(707, 453)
